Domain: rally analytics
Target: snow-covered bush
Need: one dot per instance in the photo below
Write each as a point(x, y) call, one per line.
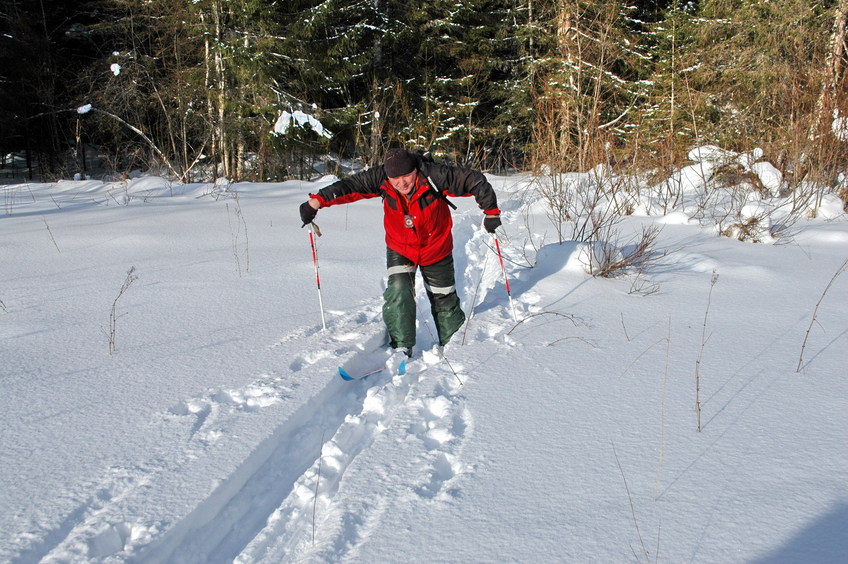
point(752, 223)
point(610, 258)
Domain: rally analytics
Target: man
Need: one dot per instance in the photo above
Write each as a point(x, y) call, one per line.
point(418, 226)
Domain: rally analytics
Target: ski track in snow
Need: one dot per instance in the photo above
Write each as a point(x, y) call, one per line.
point(291, 489)
point(265, 510)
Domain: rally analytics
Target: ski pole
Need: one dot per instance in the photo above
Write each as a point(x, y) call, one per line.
point(506, 280)
point(313, 229)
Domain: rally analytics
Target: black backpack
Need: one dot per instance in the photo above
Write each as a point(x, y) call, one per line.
point(427, 157)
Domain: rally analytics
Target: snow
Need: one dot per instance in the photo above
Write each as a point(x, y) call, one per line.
point(219, 430)
point(839, 126)
point(769, 175)
point(302, 119)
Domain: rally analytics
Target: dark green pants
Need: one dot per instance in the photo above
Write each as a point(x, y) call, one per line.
point(399, 299)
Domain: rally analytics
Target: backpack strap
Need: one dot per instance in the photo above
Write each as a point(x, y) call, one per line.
point(427, 157)
point(439, 193)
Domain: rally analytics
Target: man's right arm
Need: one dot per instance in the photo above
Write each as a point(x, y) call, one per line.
point(358, 186)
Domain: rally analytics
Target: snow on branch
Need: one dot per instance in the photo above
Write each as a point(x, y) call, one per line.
point(302, 119)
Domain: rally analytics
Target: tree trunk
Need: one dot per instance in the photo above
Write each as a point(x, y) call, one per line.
point(220, 76)
point(209, 65)
point(374, 149)
point(834, 69)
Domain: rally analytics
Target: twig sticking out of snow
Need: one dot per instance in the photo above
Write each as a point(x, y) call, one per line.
point(662, 411)
point(704, 339)
point(839, 271)
point(317, 482)
point(240, 250)
point(113, 316)
point(632, 509)
point(52, 238)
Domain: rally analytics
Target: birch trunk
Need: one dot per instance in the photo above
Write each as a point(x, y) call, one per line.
point(209, 65)
point(220, 77)
point(834, 69)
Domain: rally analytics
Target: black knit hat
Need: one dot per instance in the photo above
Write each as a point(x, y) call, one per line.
point(398, 163)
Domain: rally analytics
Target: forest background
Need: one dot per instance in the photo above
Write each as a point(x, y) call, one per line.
point(198, 89)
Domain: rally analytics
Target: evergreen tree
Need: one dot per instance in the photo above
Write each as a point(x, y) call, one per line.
point(471, 74)
point(190, 85)
point(245, 77)
point(666, 130)
point(147, 104)
point(40, 43)
point(753, 69)
point(589, 79)
point(433, 76)
point(344, 53)
point(198, 84)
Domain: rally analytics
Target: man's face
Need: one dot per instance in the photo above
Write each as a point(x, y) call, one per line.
point(404, 184)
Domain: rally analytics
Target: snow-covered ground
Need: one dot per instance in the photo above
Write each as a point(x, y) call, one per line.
point(218, 429)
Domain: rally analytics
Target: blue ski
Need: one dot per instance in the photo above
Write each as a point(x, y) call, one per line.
point(350, 377)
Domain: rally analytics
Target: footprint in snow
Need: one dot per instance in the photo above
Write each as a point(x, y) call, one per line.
point(443, 423)
point(95, 529)
point(203, 411)
point(308, 359)
point(445, 468)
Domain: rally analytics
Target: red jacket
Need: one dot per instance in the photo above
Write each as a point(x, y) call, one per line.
point(429, 240)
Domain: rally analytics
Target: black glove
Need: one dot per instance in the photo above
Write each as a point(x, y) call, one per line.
point(307, 213)
point(491, 223)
